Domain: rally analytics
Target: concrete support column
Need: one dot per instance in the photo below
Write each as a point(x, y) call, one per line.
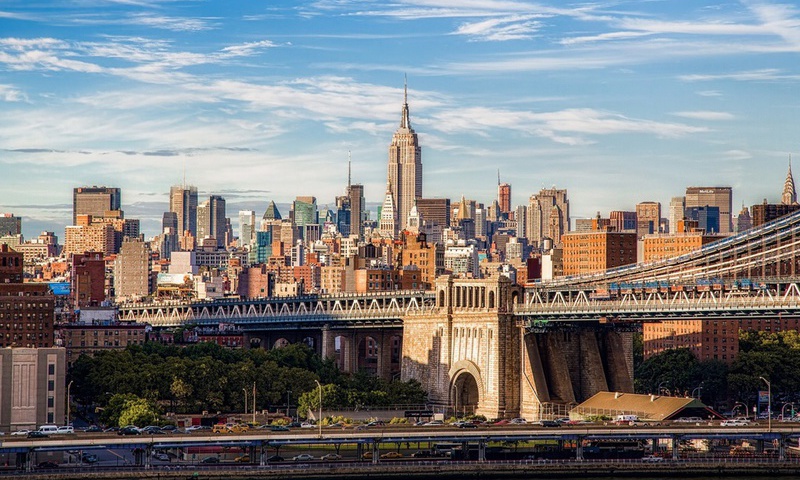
point(593, 376)
point(481, 450)
point(328, 343)
point(384, 355)
point(262, 457)
point(376, 453)
point(675, 447)
point(579, 448)
point(349, 353)
point(782, 447)
point(620, 378)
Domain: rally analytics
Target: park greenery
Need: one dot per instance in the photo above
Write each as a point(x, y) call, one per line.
point(773, 356)
point(135, 385)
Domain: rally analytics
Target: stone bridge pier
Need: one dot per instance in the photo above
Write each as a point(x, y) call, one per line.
point(472, 357)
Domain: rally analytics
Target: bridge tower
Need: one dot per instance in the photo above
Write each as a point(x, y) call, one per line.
point(465, 351)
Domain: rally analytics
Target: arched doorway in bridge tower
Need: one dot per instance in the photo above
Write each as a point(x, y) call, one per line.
point(280, 343)
point(465, 394)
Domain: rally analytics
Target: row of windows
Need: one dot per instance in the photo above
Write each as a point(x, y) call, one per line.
point(25, 326)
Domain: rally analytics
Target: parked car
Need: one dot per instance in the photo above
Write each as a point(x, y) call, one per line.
point(89, 458)
point(652, 459)
point(303, 457)
point(331, 457)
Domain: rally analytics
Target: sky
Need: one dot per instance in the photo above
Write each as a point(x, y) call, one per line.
point(619, 102)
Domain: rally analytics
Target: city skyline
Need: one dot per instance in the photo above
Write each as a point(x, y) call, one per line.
point(133, 94)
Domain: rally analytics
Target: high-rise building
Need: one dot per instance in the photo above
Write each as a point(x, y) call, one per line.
point(767, 212)
point(548, 216)
point(707, 218)
point(132, 270)
point(388, 217)
point(720, 197)
point(504, 196)
point(33, 384)
point(10, 225)
point(743, 221)
point(435, 210)
point(211, 220)
point(94, 201)
point(598, 251)
point(789, 195)
point(305, 216)
point(677, 210)
point(358, 207)
point(183, 202)
point(405, 166)
point(648, 218)
point(247, 227)
point(521, 216)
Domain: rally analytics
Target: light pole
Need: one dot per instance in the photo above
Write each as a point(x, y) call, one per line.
point(69, 385)
point(288, 392)
point(660, 386)
point(319, 420)
point(783, 408)
point(245, 400)
point(254, 403)
point(769, 404)
point(697, 389)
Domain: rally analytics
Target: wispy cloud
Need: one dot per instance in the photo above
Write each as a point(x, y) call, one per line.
point(515, 27)
point(762, 75)
point(9, 93)
point(602, 37)
point(705, 115)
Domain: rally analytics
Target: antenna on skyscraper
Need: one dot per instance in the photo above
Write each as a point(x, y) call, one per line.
point(184, 173)
point(405, 88)
point(498, 176)
point(349, 158)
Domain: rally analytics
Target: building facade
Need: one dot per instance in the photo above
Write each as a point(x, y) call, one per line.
point(720, 197)
point(598, 251)
point(33, 387)
point(95, 201)
point(183, 202)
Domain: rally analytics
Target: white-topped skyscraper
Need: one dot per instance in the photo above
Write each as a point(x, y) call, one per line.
point(405, 166)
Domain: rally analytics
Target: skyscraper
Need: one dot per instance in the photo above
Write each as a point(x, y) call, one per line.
point(247, 227)
point(548, 216)
point(405, 166)
point(211, 220)
point(388, 217)
point(94, 201)
point(789, 196)
point(720, 197)
point(504, 196)
point(677, 210)
point(183, 202)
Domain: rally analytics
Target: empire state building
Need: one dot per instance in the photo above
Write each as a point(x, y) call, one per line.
point(405, 166)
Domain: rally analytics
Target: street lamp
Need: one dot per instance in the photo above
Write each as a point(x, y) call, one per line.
point(769, 404)
point(660, 386)
point(783, 408)
point(288, 392)
point(319, 420)
point(245, 400)
point(697, 389)
point(254, 403)
point(69, 385)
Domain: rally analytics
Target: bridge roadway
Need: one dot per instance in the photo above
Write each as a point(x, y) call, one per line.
point(378, 435)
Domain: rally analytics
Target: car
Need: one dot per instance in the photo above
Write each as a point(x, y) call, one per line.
point(221, 428)
point(242, 459)
point(169, 428)
point(377, 423)
point(111, 429)
point(421, 454)
point(239, 428)
point(563, 420)
point(392, 455)
point(193, 428)
point(547, 423)
point(303, 457)
point(20, 432)
point(330, 457)
point(37, 434)
point(47, 465)
point(278, 428)
point(336, 425)
point(434, 423)
point(734, 423)
point(93, 429)
point(367, 456)
point(210, 460)
point(65, 429)
point(275, 458)
point(466, 425)
point(161, 456)
point(307, 425)
point(518, 421)
point(89, 458)
point(652, 459)
point(129, 431)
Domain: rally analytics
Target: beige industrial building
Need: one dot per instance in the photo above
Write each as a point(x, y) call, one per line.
point(32, 387)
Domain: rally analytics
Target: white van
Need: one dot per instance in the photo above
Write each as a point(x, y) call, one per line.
point(626, 419)
point(66, 429)
point(48, 429)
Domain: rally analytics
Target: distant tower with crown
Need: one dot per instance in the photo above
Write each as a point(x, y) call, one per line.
point(789, 196)
point(405, 165)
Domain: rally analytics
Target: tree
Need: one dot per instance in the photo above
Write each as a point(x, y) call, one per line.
point(138, 412)
point(677, 369)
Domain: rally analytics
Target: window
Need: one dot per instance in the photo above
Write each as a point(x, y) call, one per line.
point(51, 369)
point(51, 385)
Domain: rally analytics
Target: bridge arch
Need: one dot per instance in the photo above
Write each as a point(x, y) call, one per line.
point(466, 387)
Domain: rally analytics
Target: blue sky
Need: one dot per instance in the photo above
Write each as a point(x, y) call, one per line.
point(619, 102)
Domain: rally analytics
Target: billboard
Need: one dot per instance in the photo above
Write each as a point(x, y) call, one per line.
point(174, 279)
point(763, 396)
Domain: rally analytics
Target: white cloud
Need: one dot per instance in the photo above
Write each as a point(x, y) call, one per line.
point(763, 75)
point(247, 49)
point(514, 27)
point(705, 115)
point(8, 93)
point(736, 155)
point(176, 24)
point(709, 93)
point(602, 37)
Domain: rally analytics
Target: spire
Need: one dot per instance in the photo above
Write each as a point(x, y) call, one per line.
point(348, 170)
point(789, 196)
point(405, 122)
point(498, 176)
